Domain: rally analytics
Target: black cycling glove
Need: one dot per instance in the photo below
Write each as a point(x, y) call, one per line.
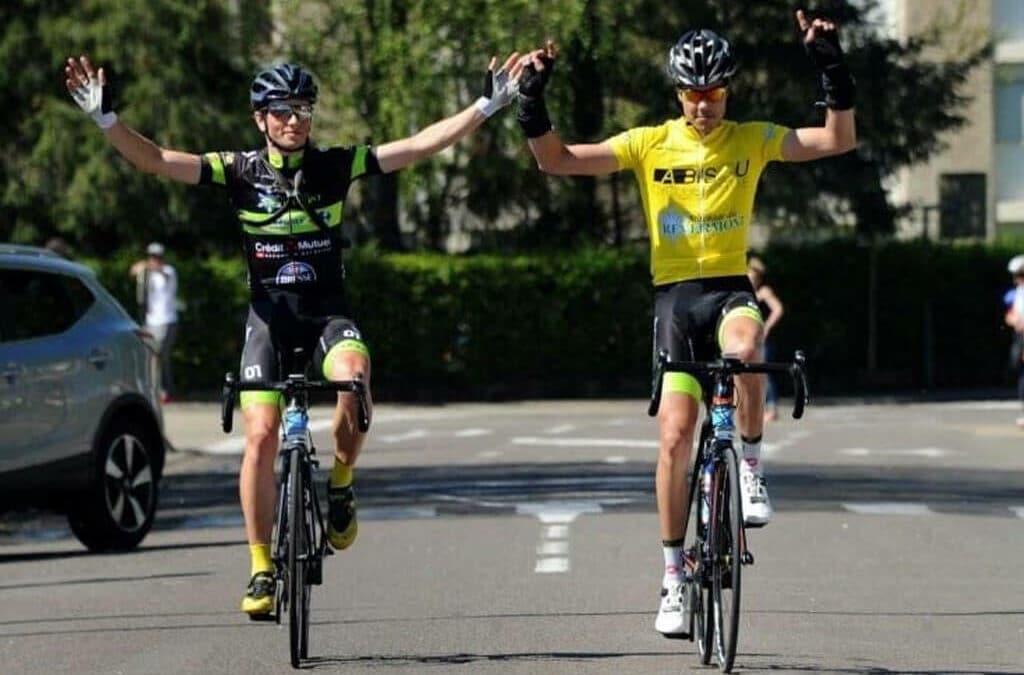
point(533, 113)
point(827, 56)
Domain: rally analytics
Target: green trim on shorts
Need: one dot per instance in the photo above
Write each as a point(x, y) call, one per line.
point(748, 312)
point(357, 346)
point(248, 398)
point(682, 383)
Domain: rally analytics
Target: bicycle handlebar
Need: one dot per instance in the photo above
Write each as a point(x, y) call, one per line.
point(293, 385)
point(726, 366)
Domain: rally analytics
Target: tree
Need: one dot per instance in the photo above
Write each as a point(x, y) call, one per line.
point(177, 73)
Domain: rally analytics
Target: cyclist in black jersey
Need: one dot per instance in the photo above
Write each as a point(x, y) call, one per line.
point(288, 197)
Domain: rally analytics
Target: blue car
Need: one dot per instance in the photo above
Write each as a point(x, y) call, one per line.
point(81, 430)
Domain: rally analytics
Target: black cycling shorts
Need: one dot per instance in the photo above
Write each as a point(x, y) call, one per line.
point(277, 326)
point(688, 315)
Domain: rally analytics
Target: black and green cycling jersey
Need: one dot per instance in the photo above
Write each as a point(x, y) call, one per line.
point(290, 211)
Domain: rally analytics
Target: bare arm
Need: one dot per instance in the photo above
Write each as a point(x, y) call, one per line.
point(499, 91)
point(145, 155)
point(435, 138)
point(86, 86)
point(775, 307)
point(587, 159)
point(839, 134)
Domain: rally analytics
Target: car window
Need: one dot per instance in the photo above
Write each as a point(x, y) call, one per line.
point(34, 303)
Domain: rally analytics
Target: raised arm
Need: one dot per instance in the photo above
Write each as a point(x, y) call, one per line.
point(85, 85)
point(839, 135)
point(552, 155)
point(499, 90)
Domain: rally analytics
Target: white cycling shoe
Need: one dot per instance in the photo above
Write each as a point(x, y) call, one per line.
point(672, 614)
point(757, 508)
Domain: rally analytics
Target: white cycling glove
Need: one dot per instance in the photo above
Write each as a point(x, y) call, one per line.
point(499, 91)
point(89, 98)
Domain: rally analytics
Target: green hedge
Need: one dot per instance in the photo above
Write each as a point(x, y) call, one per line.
point(578, 323)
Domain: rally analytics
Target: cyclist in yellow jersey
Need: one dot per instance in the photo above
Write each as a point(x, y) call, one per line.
point(698, 175)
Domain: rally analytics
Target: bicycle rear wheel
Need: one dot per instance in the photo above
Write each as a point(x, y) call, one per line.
point(725, 573)
point(298, 598)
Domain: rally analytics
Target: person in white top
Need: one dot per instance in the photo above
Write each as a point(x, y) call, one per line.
point(1014, 318)
point(157, 293)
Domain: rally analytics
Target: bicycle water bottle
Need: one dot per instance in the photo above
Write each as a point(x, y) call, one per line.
point(705, 494)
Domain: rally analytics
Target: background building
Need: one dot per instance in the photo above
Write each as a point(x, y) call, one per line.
point(975, 188)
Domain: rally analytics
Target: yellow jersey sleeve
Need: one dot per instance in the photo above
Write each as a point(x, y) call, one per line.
point(631, 146)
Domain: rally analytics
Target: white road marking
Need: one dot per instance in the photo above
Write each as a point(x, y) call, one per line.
point(488, 454)
point(406, 436)
point(888, 508)
point(553, 550)
point(556, 531)
point(469, 433)
point(912, 452)
point(585, 442)
point(615, 459)
point(551, 565)
point(560, 429)
point(1019, 510)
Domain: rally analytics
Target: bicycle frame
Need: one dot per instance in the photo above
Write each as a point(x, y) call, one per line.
point(299, 539)
point(720, 543)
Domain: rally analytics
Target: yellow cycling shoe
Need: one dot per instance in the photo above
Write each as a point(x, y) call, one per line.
point(342, 526)
point(258, 602)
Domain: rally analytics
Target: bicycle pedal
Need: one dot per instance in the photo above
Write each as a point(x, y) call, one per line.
point(747, 558)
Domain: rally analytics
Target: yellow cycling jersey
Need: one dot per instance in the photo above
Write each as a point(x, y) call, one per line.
point(698, 192)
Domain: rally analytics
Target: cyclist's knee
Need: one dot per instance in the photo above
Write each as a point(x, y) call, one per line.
point(261, 431)
point(676, 421)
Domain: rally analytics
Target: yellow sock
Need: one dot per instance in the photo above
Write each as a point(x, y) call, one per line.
point(261, 561)
point(341, 475)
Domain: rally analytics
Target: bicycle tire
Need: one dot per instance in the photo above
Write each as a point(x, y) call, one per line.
point(296, 564)
point(281, 555)
point(700, 609)
point(726, 513)
point(307, 527)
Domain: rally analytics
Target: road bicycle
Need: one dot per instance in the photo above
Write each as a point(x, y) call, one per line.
point(718, 547)
point(299, 542)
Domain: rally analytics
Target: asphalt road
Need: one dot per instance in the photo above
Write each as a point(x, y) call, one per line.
point(522, 538)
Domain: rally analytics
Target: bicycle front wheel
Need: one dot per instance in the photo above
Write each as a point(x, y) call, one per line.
point(725, 575)
point(702, 627)
point(298, 553)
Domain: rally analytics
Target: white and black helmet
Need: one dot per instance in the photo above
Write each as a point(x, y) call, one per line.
point(701, 58)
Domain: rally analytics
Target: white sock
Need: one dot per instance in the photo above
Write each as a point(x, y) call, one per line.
point(673, 565)
point(752, 453)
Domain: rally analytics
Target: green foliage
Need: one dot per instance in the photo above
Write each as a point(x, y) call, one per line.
point(173, 75)
point(578, 324)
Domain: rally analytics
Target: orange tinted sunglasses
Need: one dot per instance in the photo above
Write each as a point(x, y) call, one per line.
point(711, 95)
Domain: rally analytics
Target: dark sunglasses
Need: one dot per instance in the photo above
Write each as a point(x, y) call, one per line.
point(284, 111)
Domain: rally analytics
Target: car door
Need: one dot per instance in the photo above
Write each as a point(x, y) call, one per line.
point(37, 361)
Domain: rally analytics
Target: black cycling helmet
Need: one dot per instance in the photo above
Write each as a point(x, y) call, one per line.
point(281, 81)
point(701, 58)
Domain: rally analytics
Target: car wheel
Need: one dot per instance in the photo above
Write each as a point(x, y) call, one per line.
point(117, 510)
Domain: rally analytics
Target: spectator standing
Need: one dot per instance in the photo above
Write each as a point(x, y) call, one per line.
point(772, 310)
point(157, 293)
point(1014, 318)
